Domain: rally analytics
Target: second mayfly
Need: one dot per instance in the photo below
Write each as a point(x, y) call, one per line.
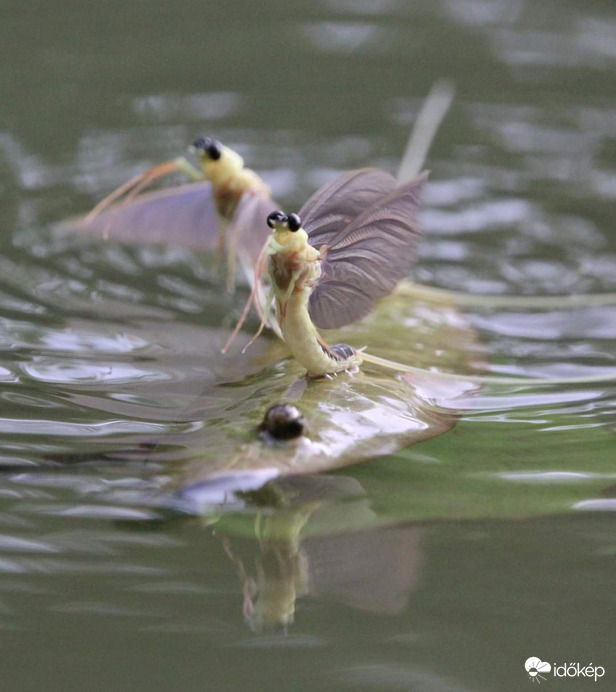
point(232, 202)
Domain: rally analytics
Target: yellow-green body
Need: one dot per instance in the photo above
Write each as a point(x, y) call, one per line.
point(230, 180)
point(294, 269)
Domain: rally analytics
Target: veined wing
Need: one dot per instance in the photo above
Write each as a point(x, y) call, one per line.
point(336, 204)
point(365, 259)
point(184, 215)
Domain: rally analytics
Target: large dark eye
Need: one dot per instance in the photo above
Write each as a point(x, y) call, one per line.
point(284, 422)
point(295, 223)
point(275, 217)
point(214, 149)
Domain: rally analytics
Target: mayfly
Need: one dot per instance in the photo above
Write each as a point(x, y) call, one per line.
point(233, 199)
point(349, 246)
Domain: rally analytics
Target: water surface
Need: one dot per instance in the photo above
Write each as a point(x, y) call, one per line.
point(441, 567)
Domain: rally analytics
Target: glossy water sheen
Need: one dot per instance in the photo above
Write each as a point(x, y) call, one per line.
point(443, 567)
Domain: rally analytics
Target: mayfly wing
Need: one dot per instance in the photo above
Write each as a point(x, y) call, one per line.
point(184, 215)
point(366, 258)
point(248, 229)
point(336, 204)
point(245, 239)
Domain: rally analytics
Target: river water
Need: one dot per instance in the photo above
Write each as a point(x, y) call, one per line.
point(444, 566)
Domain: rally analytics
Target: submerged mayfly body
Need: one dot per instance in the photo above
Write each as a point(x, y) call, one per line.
point(350, 245)
point(227, 190)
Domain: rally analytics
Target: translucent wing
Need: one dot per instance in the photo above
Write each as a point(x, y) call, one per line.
point(248, 229)
point(184, 215)
point(336, 204)
point(245, 237)
point(365, 259)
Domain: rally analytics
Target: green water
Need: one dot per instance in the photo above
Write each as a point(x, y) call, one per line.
point(443, 567)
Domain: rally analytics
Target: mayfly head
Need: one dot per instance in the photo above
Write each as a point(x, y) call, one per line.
point(208, 148)
point(218, 162)
point(288, 233)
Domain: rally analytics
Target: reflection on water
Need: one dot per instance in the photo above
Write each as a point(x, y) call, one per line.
point(317, 577)
point(374, 569)
point(492, 541)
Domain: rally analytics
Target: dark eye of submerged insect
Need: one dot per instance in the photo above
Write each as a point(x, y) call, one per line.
point(284, 422)
point(295, 223)
point(275, 217)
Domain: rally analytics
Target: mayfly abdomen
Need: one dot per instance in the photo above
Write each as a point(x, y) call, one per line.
point(342, 351)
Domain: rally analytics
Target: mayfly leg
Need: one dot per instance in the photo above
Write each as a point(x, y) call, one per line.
point(265, 312)
point(258, 273)
point(135, 185)
point(264, 319)
point(233, 240)
point(179, 165)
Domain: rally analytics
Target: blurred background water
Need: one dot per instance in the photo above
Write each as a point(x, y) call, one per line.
point(443, 567)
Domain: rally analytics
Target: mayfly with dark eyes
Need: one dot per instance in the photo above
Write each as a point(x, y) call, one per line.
point(349, 246)
point(234, 195)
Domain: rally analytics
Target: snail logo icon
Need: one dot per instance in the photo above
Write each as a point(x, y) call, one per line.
point(535, 668)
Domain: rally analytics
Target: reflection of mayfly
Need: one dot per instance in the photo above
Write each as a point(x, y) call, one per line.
point(232, 199)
